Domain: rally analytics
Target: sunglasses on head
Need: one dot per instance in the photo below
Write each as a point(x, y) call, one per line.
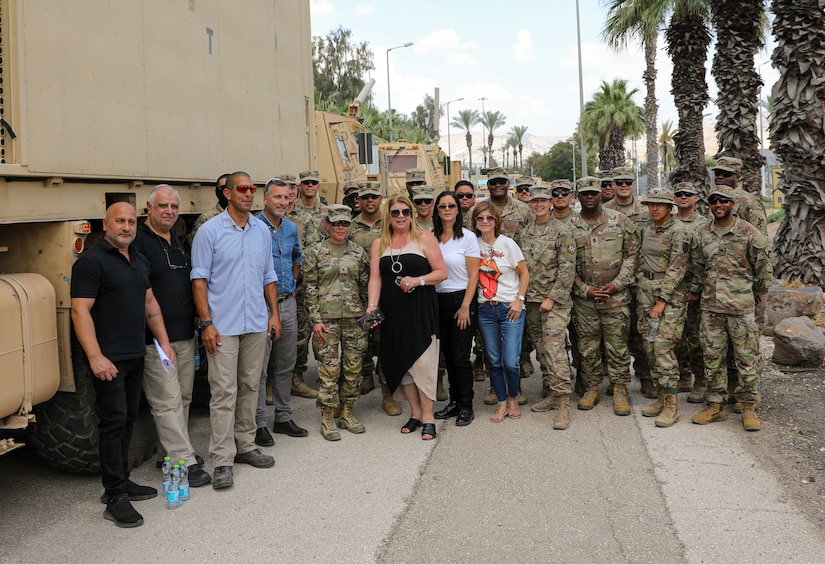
point(719, 200)
point(406, 212)
point(425, 201)
point(446, 206)
point(464, 195)
point(341, 223)
point(681, 194)
point(485, 219)
point(560, 192)
point(622, 182)
point(244, 188)
point(723, 173)
point(369, 197)
point(521, 189)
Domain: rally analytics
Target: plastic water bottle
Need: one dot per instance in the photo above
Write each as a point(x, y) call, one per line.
point(184, 482)
point(652, 330)
point(197, 354)
point(173, 495)
point(166, 470)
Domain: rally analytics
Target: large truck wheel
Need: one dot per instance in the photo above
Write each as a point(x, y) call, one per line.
point(65, 434)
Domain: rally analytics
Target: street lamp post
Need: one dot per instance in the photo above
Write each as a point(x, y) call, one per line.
point(389, 100)
point(449, 145)
point(581, 92)
point(483, 132)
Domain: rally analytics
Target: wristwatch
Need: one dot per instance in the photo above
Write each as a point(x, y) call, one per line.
point(204, 324)
point(522, 298)
point(421, 280)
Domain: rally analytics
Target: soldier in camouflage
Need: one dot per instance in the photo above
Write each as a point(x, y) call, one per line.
point(336, 274)
point(606, 178)
point(414, 177)
point(663, 258)
point(550, 253)
point(523, 185)
point(423, 198)
point(606, 252)
point(731, 269)
point(220, 183)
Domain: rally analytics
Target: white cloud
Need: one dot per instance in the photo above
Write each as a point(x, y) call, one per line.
point(443, 41)
point(321, 8)
point(364, 9)
point(463, 61)
point(523, 47)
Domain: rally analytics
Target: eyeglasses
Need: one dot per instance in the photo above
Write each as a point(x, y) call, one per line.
point(713, 200)
point(424, 201)
point(406, 212)
point(414, 183)
point(560, 193)
point(623, 182)
point(464, 195)
point(369, 197)
point(447, 206)
point(607, 184)
point(681, 194)
point(180, 255)
point(521, 189)
point(342, 223)
point(485, 219)
point(498, 183)
point(244, 188)
point(723, 173)
point(309, 182)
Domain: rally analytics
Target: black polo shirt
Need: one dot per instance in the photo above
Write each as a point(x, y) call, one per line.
point(169, 267)
point(119, 289)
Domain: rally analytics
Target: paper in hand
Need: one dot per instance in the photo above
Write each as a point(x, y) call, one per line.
point(164, 360)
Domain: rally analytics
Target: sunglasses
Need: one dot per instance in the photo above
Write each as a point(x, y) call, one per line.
point(309, 182)
point(498, 183)
point(681, 194)
point(623, 182)
point(717, 200)
point(723, 173)
point(464, 195)
point(342, 223)
point(560, 193)
point(521, 189)
point(244, 188)
point(606, 184)
point(369, 197)
point(447, 206)
point(485, 219)
point(406, 212)
point(423, 201)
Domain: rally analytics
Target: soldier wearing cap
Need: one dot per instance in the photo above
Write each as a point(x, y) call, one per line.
point(523, 185)
point(336, 272)
point(307, 231)
point(561, 192)
point(689, 349)
point(606, 253)
point(731, 266)
point(423, 199)
point(350, 198)
point(624, 184)
point(726, 172)
point(414, 177)
point(606, 179)
point(663, 258)
point(309, 200)
point(550, 253)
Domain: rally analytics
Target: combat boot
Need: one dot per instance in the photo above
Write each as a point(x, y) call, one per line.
point(526, 367)
point(589, 399)
point(749, 419)
point(649, 388)
point(328, 429)
point(562, 419)
point(545, 390)
point(713, 412)
point(440, 392)
point(737, 407)
point(491, 398)
point(367, 384)
point(620, 404)
point(670, 414)
point(479, 372)
point(548, 403)
point(700, 390)
point(390, 406)
point(300, 389)
point(655, 408)
point(522, 399)
point(349, 421)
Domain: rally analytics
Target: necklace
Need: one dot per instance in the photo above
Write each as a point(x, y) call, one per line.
point(396, 266)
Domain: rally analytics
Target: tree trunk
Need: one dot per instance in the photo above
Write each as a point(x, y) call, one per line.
point(651, 113)
point(738, 41)
point(469, 139)
point(612, 154)
point(797, 137)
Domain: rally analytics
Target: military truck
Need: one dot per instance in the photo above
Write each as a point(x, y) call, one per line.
point(99, 102)
point(395, 159)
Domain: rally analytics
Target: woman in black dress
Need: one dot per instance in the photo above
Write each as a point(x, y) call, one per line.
point(405, 266)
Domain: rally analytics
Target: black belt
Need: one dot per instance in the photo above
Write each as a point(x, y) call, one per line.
point(284, 297)
point(654, 275)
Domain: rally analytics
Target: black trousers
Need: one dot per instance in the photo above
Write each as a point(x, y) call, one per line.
point(116, 406)
point(456, 345)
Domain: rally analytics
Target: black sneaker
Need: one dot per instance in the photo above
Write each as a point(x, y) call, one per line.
point(289, 428)
point(134, 492)
point(263, 437)
point(198, 476)
point(120, 512)
point(222, 477)
point(255, 458)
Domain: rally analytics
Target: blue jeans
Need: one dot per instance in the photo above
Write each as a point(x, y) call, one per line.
point(502, 345)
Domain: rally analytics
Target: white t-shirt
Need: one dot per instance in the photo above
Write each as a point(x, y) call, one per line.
point(455, 253)
point(498, 279)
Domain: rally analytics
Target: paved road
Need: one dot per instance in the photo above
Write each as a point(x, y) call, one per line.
point(609, 489)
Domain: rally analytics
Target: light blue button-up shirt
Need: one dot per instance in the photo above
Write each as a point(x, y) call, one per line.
point(236, 264)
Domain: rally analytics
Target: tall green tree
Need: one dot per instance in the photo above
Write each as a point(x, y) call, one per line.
point(609, 118)
point(339, 67)
point(666, 148)
point(423, 118)
point(518, 132)
point(639, 20)
point(465, 121)
point(739, 28)
point(492, 120)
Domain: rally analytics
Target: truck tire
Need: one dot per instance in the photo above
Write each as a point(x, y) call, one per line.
point(65, 433)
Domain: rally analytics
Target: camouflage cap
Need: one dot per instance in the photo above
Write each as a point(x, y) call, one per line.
point(422, 193)
point(721, 190)
point(415, 175)
point(524, 181)
point(373, 188)
point(561, 183)
point(658, 196)
point(604, 175)
point(350, 187)
point(288, 178)
point(540, 192)
point(498, 172)
point(310, 175)
point(339, 212)
point(685, 187)
point(623, 173)
point(589, 184)
point(728, 164)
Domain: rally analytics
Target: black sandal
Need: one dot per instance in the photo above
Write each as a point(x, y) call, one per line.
point(410, 426)
point(428, 429)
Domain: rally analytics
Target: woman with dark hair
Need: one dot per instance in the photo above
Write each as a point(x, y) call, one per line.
point(405, 266)
point(457, 304)
point(503, 281)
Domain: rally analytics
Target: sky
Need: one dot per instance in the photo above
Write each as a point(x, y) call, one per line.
point(522, 57)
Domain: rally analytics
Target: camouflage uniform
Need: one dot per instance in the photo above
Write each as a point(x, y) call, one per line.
point(203, 218)
point(606, 251)
point(689, 349)
point(663, 258)
point(308, 235)
point(336, 278)
point(514, 217)
point(730, 267)
point(363, 235)
point(550, 253)
point(746, 206)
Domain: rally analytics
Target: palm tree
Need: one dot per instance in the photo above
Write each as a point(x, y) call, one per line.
point(484, 151)
point(504, 153)
point(610, 117)
point(797, 137)
point(465, 121)
point(518, 132)
point(666, 146)
point(492, 121)
point(740, 28)
point(640, 20)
